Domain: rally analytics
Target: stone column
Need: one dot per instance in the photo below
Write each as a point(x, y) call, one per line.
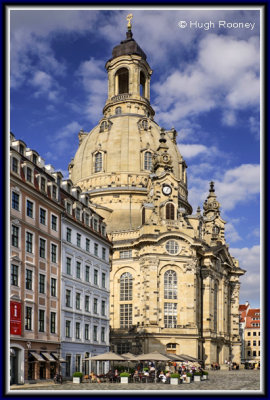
point(234, 320)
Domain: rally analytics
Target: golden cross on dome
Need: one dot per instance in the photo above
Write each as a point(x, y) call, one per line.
point(129, 18)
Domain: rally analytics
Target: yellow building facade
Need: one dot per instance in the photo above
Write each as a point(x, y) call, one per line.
point(174, 285)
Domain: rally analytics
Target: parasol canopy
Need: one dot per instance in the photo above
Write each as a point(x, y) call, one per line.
point(109, 356)
point(154, 356)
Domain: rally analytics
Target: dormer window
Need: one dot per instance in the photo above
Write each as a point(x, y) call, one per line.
point(34, 158)
point(69, 187)
point(21, 149)
point(29, 174)
point(15, 165)
point(53, 191)
point(69, 208)
point(78, 213)
point(98, 162)
point(43, 184)
point(86, 218)
point(118, 110)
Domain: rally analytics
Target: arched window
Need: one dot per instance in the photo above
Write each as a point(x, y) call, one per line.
point(169, 211)
point(123, 80)
point(118, 110)
point(143, 215)
point(148, 160)
point(215, 305)
point(145, 124)
point(170, 285)
point(98, 162)
point(126, 286)
point(103, 126)
point(142, 84)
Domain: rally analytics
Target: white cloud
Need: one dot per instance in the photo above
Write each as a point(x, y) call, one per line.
point(225, 74)
point(231, 233)
point(229, 118)
point(68, 131)
point(254, 126)
point(192, 150)
point(249, 260)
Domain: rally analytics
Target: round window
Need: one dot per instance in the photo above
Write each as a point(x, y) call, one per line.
point(172, 247)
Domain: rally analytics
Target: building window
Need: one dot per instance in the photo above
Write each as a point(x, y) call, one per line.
point(254, 333)
point(86, 303)
point(34, 159)
point(95, 333)
point(29, 209)
point(14, 277)
point(29, 174)
point(172, 247)
point(15, 165)
point(53, 252)
point(43, 184)
point(54, 192)
point(123, 80)
point(96, 249)
point(215, 306)
point(86, 218)
point(103, 253)
point(95, 306)
point(103, 126)
point(103, 280)
point(95, 225)
point(170, 315)
point(29, 242)
point(249, 353)
point(54, 222)
point(68, 235)
point(126, 286)
point(15, 201)
point(142, 84)
point(102, 334)
point(86, 332)
point(98, 162)
point(87, 273)
point(41, 283)
point(78, 213)
point(21, 149)
point(78, 240)
point(78, 301)
point(143, 215)
point(41, 320)
point(95, 277)
point(254, 353)
point(103, 308)
point(170, 285)
point(169, 211)
point(29, 279)
point(148, 160)
point(78, 329)
point(68, 208)
point(42, 216)
point(68, 298)
point(87, 245)
point(118, 110)
point(78, 270)
point(68, 329)
point(123, 347)
point(254, 343)
point(78, 363)
point(15, 236)
point(249, 333)
point(125, 315)
point(68, 265)
point(53, 287)
point(28, 318)
point(125, 253)
point(103, 231)
point(248, 343)
point(42, 248)
point(53, 322)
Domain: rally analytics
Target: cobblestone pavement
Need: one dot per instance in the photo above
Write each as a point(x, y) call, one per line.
point(218, 380)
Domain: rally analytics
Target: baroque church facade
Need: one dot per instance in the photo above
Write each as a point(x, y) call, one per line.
point(174, 287)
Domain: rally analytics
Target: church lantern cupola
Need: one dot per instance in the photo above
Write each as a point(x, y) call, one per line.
point(128, 79)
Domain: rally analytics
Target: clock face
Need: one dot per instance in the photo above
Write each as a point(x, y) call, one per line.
point(167, 190)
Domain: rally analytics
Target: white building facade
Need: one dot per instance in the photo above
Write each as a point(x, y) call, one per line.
point(84, 284)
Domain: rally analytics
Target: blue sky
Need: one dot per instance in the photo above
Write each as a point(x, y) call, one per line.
point(205, 83)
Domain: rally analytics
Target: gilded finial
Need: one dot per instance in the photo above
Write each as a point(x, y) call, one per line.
point(129, 18)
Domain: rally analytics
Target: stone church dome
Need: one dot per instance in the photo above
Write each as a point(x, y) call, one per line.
point(115, 159)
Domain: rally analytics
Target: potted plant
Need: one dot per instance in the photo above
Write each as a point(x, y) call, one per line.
point(204, 375)
point(197, 376)
point(188, 378)
point(124, 377)
point(146, 369)
point(175, 379)
point(77, 377)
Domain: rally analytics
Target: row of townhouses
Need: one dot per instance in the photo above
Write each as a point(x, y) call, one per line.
point(250, 333)
point(59, 272)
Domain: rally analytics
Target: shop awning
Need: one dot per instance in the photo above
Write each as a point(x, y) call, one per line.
point(37, 356)
point(48, 357)
point(59, 358)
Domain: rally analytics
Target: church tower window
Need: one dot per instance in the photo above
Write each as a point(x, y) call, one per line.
point(169, 211)
point(123, 80)
point(170, 285)
point(143, 215)
point(118, 110)
point(215, 305)
point(148, 160)
point(126, 286)
point(170, 315)
point(103, 126)
point(98, 162)
point(172, 247)
point(142, 84)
